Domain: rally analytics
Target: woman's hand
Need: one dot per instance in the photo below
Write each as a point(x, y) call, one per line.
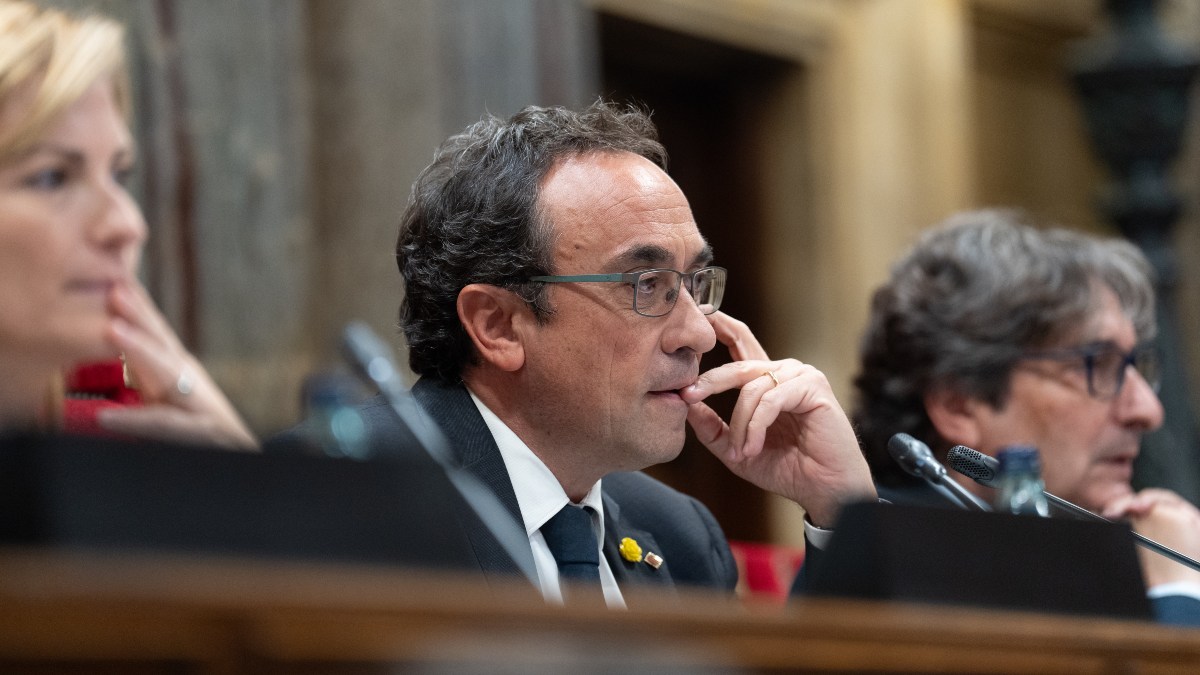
point(182, 403)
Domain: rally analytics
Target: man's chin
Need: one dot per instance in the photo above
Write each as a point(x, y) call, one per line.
point(657, 450)
point(1096, 499)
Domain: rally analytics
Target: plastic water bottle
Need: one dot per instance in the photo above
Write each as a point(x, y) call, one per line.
point(336, 425)
point(1020, 486)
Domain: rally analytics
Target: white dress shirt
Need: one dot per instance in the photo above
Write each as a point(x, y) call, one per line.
point(1188, 588)
point(540, 496)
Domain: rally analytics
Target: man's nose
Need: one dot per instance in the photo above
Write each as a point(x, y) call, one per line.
point(1138, 406)
point(688, 327)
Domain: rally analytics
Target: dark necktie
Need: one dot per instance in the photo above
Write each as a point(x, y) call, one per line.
point(572, 542)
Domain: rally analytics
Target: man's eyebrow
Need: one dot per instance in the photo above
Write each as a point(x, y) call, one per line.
point(1102, 343)
point(704, 257)
point(645, 254)
point(652, 254)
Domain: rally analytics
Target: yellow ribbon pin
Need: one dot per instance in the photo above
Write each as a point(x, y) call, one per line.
point(630, 550)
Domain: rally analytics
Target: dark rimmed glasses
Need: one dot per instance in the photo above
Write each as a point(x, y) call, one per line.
point(656, 291)
point(1106, 365)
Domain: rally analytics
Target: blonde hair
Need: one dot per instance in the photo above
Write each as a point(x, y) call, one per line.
point(55, 57)
point(48, 60)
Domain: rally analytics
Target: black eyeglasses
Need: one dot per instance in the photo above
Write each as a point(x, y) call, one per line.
point(1106, 365)
point(656, 291)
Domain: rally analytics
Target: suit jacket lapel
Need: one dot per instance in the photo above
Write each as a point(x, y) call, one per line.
point(474, 449)
point(630, 574)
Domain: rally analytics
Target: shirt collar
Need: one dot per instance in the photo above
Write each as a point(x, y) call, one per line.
point(539, 494)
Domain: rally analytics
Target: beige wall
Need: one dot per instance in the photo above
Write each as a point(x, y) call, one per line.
point(308, 121)
point(912, 110)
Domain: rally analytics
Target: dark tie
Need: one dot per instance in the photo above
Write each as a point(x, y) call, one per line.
point(572, 542)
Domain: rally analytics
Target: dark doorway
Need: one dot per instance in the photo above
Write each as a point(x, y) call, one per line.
point(704, 97)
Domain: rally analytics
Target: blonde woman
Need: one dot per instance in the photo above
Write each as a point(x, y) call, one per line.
point(71, 238)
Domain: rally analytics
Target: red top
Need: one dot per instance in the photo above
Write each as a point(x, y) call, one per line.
point(91, 387)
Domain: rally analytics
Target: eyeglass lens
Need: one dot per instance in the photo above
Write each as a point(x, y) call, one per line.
point(1106, 371)
point(658, 290)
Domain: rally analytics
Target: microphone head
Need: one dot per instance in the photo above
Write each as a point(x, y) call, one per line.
point(973, 464)
point(914, 457)
point(369, 355)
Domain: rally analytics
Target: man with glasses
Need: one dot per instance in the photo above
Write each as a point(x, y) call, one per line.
point(558, 297)
point(990, 332)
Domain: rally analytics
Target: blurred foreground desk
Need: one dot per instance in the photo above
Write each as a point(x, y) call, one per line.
point(103, 613)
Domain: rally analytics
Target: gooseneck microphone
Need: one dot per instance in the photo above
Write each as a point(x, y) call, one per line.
point(916, 458)
point(974, 465)
point(372, 360)
point(984, 469)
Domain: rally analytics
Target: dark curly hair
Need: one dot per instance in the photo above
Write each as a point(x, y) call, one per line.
point(966, 302)
point(473, 217)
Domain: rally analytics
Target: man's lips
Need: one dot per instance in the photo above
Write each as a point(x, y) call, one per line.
point(668, 394)
point(1121, 464)
point(676, 387)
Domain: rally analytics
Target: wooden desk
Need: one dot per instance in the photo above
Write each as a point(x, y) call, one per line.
point(105, 613)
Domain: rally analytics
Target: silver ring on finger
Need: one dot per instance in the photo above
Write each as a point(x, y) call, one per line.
point(185, 384)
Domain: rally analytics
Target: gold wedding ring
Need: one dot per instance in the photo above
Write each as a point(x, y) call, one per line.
point(771, 375)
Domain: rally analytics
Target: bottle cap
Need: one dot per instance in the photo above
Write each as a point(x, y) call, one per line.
point(1019, 458)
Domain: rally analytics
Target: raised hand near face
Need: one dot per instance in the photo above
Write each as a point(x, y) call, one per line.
point(182, 403)
point(787, 433)
point(1168, 519)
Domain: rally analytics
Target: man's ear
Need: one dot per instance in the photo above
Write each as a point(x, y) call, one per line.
point(489, 314)
point(954, 415)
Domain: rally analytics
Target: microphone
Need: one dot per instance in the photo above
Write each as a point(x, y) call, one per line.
point(984, 469)
point(371, 359)
point(915, 458)
point(974, 465)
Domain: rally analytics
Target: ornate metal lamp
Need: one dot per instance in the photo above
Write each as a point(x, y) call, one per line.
point(1135, 88)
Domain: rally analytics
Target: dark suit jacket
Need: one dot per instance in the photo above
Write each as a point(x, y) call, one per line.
point(676, 527)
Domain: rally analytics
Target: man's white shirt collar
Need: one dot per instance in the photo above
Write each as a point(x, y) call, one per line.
point(540, 496)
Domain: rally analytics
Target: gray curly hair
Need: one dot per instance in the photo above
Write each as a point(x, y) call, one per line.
point(966, 302)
